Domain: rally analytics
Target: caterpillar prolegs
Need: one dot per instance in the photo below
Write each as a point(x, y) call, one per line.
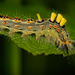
point(53, 29)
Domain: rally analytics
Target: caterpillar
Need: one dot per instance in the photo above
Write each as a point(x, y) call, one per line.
point(53, 29)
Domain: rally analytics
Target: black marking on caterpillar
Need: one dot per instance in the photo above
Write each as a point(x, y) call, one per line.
point(53, 30)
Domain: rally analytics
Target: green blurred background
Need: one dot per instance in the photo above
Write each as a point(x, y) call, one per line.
point(16, 61)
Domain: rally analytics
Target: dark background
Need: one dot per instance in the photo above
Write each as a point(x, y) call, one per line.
point(16, 61)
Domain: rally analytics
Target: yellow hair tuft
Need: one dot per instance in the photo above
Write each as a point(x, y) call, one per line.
point(59, 17)
point(39, 18)
point(53, 15)
point(63, 21)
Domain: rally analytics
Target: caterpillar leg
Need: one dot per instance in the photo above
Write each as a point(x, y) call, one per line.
point(13, 31)
point(26, 33)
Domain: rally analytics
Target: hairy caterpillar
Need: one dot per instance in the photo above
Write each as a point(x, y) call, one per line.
point(53, 30)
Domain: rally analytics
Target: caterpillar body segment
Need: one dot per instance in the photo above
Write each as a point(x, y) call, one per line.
point(53, 30)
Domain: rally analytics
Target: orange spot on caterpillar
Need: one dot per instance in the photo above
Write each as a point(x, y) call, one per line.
point(3, 18)
point(28, 22)
point(4, 15)
point(62, 33)
point(15, 20)
point(30, 27)
point(50, 26)
point(58, 29)
point(64, 43)
point(67, 42)
point(16, 17)
point(4, 22)
point(42, 26)
point(55, 26)
point(16, 26)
